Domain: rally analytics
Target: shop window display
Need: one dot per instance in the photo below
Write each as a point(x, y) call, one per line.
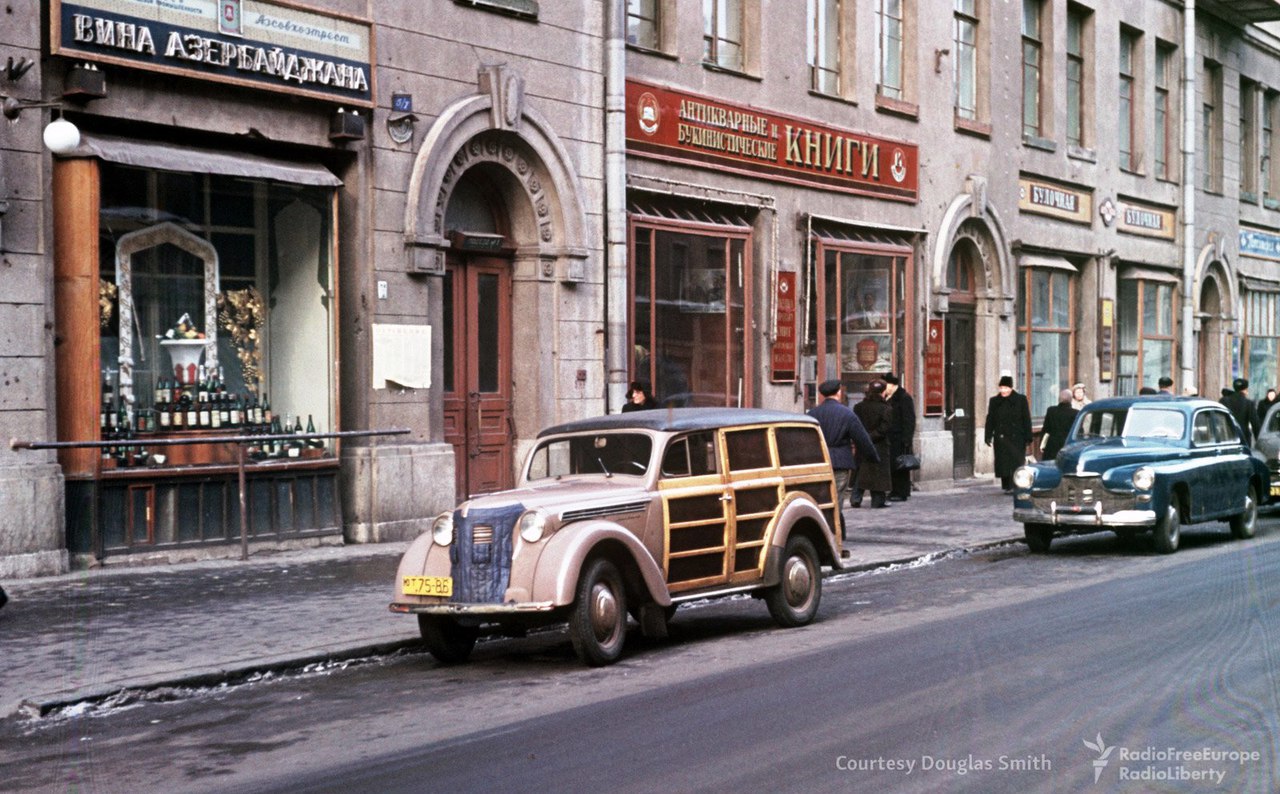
point(1045, 336)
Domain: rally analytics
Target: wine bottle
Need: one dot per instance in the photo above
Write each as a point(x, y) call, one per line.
point(267, 416)
point(192, 411)
point(163, 413)
point(215, 410)
point(311, 429)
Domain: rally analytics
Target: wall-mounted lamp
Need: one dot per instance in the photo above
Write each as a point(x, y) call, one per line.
point(61, 136)
point(12, 107)
point(84, 83)
point(346, 126)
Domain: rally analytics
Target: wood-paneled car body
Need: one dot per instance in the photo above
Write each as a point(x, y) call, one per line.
point(1143, 464)
point(1268, 445)
point(631, 513)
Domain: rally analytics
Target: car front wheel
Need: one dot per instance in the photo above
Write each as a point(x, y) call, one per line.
point(1168, 531)
point(1038, 538)
point(598, 622)
point(447, 640)
point(1245, 524)
point(794, 600)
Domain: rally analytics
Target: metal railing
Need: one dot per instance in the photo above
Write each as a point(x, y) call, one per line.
point(242, 443)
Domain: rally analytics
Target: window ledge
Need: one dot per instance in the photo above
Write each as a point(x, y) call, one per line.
point(715, 67)
point(1271, 204)
point(521, 9)
point(1132, 171)
point(1036, 142)
point(832, 97)
point(980, 129)
point(1168, 180)
point(671, 56)
point(898, 107)
point(1082, 153)
point(1248, 197)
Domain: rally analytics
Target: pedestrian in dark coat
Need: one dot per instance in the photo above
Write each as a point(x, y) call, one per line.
point(901, 433)
point(875, 476)
point(1057, 423)
point(1244, 410)
point(1008, 430)
point(1265, 404)
point(843, 432)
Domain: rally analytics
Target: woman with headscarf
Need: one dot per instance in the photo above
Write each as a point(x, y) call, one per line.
point(1078, 397)
point(638, 397)
point(877, 418)
point(1057, 423)
point(1008, 430)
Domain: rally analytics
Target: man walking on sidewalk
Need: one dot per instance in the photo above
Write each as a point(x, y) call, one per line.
point(843, 431)
point(901, 433)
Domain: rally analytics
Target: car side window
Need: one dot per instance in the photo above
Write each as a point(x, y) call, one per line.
point(798, 446)
point(1224, 428)
point(1203, 433)
point(1100, 424)
point(748, 449)
point(690, 456)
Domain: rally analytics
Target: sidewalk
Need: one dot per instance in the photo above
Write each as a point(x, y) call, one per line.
point(89, 634)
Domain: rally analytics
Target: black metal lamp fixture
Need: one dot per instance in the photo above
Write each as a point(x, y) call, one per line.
point(85, 82)
point(346, 125)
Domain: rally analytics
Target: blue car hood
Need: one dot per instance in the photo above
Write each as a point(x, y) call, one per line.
point(1099, 456)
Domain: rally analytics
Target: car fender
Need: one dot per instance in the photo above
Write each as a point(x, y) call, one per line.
point(797, 507)
point(561, 562)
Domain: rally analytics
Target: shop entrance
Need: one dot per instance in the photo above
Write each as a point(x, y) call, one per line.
point(960, 372)
point(477, 372)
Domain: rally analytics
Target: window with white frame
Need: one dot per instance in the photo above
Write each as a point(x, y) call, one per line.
point(1032, 55)
point(722, 39)
point(1046, 335)
point(889, 46)
point(966, 59)
point(823, 46)
point(1147, 325)
point(643, 19)
point(1262, 338)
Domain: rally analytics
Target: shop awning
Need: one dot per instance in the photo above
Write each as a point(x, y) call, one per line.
point(1040, 260)
point(1151, 274)
point(1259, 285)
point(671, 208)
point(189, 159)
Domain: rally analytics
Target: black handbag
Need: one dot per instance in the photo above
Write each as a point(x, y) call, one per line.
point(906, 462)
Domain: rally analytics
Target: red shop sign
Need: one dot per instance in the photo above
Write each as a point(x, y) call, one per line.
point(782, 358)
point(667, 124)
point(935, 371)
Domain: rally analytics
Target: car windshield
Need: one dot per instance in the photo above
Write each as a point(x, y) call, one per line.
point(1099, 424)
point(1154, 423)
point(602, 453)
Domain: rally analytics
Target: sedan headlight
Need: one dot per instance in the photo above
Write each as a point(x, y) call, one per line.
point(1144, 478)
point(442, 529)
point(1024, 477)
point(531, 526)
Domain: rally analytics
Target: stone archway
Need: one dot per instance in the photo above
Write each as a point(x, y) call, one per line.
point(1215, 322)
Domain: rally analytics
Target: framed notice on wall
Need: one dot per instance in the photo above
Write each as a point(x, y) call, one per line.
point(782, 357)
point(935, 369)
point(1106, 339)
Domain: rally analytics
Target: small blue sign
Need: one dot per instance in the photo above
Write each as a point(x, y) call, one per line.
point(402, 103)
point(1260, 244)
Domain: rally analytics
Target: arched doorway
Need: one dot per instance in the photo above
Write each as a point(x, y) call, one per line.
point(1209, 353)
point(476, 327)
point(961, 367)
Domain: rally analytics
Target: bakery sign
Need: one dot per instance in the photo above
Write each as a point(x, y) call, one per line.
point(272, 45)
point(1146, 220)
point(668, 124)
point(1054, 200)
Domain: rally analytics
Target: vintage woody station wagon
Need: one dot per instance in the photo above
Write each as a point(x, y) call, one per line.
point(631, 513)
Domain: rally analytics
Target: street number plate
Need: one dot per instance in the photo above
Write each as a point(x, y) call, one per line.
point(428, 585)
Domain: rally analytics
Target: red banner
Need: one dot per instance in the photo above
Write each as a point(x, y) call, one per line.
point(782, 359)
point(935, 369)
point(674, 125)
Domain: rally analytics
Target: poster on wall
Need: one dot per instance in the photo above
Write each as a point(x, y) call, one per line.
point(782, 357)
point(867, 300)
point(862, 353)
point(935, 369)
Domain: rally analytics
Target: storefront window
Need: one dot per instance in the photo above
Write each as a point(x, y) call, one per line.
point(689, 315)
point(1262, 339)
point(1045, 335)
point(861, 327)
point(1145, 311)
point(246, 263)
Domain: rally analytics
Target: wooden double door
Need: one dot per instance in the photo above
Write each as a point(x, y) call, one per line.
point(477, 372)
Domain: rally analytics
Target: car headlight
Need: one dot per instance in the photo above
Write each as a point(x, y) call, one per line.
point(1024, 477)
point(442, 529)
point(531, 526)
point(1144, 478)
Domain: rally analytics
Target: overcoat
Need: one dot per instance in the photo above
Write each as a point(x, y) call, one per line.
point(1057, 423)
point(1008, 431)
point(877, 418)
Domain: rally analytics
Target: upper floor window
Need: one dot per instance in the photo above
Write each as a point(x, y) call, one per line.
point(889, 38)
point(966, 59)
point(722, 33)
point(643, 18)
point(1032, 53)
point(1270, 146)
point(1127, 121)
point(1211, 128)
point(1164, 131)
point(824, 45)
point(1248, 140)
point(1076, 84)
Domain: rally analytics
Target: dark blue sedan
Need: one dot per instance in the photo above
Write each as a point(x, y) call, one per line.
point(1143, 464)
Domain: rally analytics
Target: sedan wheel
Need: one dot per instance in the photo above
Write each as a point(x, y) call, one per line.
point(447, 640)
point(1245, 524)
point(598, 622)
point(1038, 538)
point(1168, 531)
point(794, 600)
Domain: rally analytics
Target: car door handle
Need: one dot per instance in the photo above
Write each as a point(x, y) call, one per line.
point(727, 497)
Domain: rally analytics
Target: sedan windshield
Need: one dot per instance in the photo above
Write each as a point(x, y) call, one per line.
point(605, 453)
point(1149, 423)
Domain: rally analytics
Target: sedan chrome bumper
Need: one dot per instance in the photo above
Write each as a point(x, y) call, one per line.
point(472, 609)
point(1077, 516)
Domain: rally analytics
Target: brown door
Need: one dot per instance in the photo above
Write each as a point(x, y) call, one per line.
point(477, 372)
point(960, 371)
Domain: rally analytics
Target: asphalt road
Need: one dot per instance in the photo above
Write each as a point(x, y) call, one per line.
point(981, 672)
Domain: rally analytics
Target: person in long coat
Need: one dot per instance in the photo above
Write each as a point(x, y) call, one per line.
point(1057, 423)
point(901, 434)
point(1008, 430)
point(877, 418)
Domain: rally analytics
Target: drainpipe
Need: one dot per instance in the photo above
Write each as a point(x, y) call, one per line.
point(1189, 116)
point(615, 175)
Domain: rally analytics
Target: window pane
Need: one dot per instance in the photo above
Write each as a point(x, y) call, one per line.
point(1061, 317)
point(1050, 369)
point(1039, 298)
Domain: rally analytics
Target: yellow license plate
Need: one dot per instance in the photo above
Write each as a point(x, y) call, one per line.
point(428, 585)
point(1275, 490)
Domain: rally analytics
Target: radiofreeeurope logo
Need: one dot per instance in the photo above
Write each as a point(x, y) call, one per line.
point(1168, 764)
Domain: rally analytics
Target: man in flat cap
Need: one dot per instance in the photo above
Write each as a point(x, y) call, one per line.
point(1244, 410)
point(843, 432)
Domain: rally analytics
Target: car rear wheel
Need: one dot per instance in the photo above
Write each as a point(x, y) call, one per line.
point(794, 600)
point(1245, 524)
point(598, 622)
point(1038, 538)
point(447, 640)
point(1168, 531)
